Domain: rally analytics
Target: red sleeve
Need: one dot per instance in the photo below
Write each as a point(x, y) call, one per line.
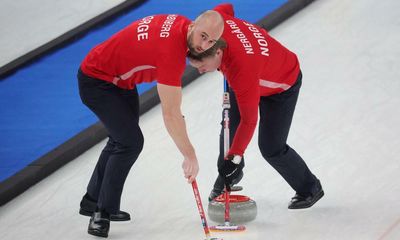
point(171, 64)
point(170, 71)
point(226, 8)
point(247, 91)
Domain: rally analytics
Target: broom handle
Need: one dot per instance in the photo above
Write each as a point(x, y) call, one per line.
point(226, 105)
point(200, 208)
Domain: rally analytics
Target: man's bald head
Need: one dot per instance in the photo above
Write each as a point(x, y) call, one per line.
point(213, 20)
point(205, 31)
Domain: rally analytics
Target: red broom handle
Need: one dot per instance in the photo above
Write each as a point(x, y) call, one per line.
point(200, 208)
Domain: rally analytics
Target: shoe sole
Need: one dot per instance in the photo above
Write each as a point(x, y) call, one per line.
point(112, 218)
point(318, 197)
point(97, 234)
point(236, 188)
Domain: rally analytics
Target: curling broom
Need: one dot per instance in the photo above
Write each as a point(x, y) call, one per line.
point(226, 105)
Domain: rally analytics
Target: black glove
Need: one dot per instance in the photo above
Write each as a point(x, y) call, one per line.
point(230, 169)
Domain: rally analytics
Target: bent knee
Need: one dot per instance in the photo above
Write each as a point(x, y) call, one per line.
point(270, 154)
point(132, 143)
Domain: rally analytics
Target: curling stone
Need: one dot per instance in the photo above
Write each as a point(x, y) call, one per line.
point(242, 209)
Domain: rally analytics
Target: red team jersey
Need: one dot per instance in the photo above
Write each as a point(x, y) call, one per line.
point(148, 49)
point(255, 65)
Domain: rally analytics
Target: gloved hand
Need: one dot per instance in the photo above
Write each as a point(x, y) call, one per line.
point(230, 169)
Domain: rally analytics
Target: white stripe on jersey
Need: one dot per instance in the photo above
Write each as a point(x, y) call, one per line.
point(270, 84)
point(129, 74)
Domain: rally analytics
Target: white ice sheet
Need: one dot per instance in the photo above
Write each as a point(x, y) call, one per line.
point(346, 127)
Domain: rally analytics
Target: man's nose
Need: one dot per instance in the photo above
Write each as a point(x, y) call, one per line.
point(204, 45)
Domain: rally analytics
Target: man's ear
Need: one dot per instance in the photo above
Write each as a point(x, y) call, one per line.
point(191, 25)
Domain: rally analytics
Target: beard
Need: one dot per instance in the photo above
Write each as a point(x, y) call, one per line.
point(190, 45)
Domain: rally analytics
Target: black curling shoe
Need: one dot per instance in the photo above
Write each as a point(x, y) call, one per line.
point(305, 201)
point(99, 224)
point(88, 207)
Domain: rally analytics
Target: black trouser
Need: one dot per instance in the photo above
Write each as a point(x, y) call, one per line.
point(276, 113)
point(118, 110)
